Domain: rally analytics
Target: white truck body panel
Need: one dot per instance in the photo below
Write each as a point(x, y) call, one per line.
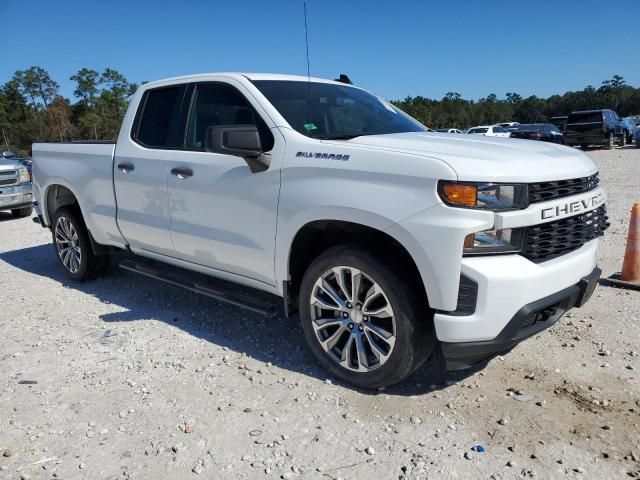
point(85, 169)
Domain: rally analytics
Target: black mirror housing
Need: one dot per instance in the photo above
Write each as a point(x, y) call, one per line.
point(238, 140)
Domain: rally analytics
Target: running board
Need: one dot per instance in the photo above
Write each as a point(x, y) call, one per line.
point(223, 294)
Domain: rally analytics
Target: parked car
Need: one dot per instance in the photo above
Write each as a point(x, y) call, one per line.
point(448, 130)
point(489, 131)
point(389, 238)
point(506, 125)
point(8, 154)
point(636, 137)
point(545, 132)
point(15, 187)
point(594, 127)
point(559, 121)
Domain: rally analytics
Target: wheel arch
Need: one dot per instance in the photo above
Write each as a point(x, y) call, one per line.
point(313, 237)
point(57, 195)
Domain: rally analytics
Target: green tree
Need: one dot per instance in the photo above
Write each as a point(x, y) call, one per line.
point(87, 81)
point(118, 87)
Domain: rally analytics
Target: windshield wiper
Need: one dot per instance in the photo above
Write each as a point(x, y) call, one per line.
point(338, 137)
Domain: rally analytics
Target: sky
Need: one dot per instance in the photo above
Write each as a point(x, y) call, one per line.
point(395, 48)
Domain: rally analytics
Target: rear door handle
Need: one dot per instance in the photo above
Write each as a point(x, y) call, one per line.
point(126, 167)
point(182, 172)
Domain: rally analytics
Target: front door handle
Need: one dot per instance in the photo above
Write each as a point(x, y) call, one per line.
point(126, 167)
point(182, 172)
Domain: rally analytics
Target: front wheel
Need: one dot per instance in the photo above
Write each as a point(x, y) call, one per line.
point(362, 321)
point(73, 247)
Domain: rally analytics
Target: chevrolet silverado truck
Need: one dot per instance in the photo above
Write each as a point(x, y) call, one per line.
point(15, 186)
point(387, 239)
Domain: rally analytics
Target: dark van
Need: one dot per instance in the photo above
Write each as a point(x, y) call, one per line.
point(594, 127)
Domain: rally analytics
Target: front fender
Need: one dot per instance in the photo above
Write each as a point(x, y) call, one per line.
point(288, 230)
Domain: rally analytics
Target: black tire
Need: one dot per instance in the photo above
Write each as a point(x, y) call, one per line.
point(623, 140)
point(414, 339)
point(22, 212)
point(88, 264)
point(611, 141)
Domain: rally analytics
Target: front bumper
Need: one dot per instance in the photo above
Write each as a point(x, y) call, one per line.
point(529, 320)
point(16, 196)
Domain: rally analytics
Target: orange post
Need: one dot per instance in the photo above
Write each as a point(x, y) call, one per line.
point(631, 264)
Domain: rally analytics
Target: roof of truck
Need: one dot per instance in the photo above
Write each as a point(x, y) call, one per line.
point(250, 76)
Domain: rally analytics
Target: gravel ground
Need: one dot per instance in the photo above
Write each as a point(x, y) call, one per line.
point(125, 377)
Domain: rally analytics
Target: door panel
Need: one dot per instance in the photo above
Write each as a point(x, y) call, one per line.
point(140, 171)
point(143, 205)
point(223, 216)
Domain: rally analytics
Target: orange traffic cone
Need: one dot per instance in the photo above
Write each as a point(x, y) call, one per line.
point(630, 274)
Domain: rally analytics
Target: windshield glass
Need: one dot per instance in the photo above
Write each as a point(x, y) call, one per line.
point(325, 110)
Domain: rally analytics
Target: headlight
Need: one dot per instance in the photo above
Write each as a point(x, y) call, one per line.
point(485, 196)
point(24, 175)
point(494, 241)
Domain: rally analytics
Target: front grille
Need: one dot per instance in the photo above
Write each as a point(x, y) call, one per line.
point(550, 240)
point(12, 180)
point(546, 191)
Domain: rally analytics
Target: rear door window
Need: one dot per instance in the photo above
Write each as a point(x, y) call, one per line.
point(158, 117)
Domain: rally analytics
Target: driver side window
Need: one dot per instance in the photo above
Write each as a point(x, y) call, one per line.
point(217, 105)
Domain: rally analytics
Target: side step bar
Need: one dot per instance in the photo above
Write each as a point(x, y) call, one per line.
point(214, 291)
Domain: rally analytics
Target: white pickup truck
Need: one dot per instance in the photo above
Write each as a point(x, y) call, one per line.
point(387, 239)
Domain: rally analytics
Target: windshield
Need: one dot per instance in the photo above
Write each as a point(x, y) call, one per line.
point(329, 111)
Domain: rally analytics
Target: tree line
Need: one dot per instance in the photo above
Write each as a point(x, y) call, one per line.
point(32, 109)
point(453, 111)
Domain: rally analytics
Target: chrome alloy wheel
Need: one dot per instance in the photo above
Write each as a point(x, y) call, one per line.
point(353, 319)
point(68, 244)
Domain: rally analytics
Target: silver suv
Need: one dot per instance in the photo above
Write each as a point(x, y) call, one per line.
point(15, 186)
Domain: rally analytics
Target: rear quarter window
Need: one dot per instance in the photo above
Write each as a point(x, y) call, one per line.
point(157, 117)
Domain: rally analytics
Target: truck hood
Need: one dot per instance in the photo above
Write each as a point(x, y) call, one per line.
point(480, 158)
point(8, 164)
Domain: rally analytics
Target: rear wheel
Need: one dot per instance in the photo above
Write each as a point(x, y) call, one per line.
point(73, 247)
point(361, 320)
point(612, 141)
point(22, 212)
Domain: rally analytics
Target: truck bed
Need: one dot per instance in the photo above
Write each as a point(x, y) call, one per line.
point(85, 168)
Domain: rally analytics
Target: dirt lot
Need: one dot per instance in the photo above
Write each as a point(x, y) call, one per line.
point(125, 378)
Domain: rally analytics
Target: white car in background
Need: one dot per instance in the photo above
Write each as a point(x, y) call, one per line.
point(489, 131)
point(449, 130)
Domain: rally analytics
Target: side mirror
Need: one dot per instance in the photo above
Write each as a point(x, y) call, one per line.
point(240, 141)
